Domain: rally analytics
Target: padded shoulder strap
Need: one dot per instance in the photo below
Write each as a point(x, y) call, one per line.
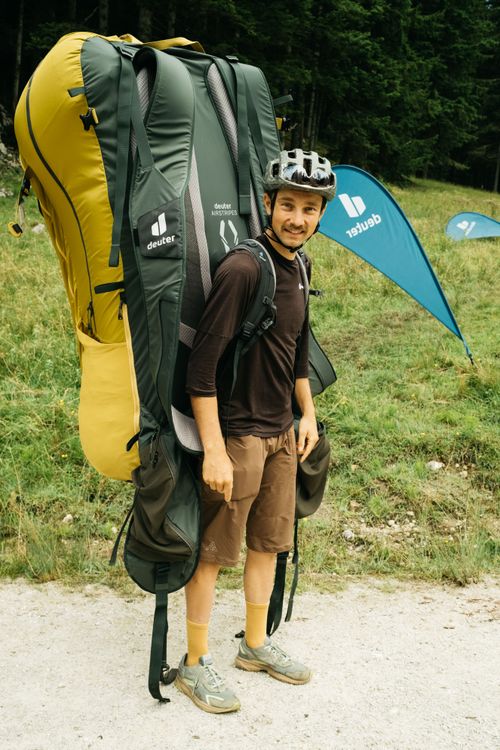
point(262, 313)
point(303, 270)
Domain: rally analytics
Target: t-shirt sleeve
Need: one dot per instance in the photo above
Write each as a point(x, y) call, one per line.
point(234, 286)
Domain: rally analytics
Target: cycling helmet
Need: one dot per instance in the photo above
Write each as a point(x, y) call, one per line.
point(301, 170)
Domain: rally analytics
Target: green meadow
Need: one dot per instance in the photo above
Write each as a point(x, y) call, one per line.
point(406, 395)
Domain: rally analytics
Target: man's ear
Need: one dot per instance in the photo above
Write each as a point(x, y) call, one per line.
point(267, 204)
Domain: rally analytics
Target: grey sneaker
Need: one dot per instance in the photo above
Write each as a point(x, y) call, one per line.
point(205, 686)
point(269, 658)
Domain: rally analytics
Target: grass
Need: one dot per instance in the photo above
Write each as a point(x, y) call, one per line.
point(406, 395)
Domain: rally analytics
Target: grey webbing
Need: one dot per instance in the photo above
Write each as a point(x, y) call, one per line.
point(243, 138)
point(125, 87)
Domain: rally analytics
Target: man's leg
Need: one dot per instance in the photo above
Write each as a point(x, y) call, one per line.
point(269, 526)
point(199, 600)
point(196, 676)
point(258, 582)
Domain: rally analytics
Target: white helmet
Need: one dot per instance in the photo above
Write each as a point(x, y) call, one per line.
point(301, 170)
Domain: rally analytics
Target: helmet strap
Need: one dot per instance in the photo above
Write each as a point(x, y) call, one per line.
point(277, 239)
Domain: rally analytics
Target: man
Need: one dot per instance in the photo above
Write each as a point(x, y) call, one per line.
point(246, 428)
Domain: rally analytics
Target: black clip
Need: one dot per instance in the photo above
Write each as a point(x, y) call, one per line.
point(247, 330)
point(90, 118)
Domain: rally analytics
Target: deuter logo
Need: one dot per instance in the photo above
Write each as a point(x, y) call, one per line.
point(354, 206)
point(466, 226)
point(159, 229)
point(231, 241)
point(160, 226)
point(223, 208)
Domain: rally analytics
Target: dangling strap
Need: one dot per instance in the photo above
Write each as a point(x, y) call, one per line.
point(16, 227)
point(276, 601)
point(159, 671)
point(295, 561)
point(116, 545)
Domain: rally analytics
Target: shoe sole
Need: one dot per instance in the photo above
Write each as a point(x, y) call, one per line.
point(256, 666)
point(181, 685)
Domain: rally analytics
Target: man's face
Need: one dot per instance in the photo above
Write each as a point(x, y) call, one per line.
point(296, 215)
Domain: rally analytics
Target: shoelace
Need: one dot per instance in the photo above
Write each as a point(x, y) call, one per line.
point(214, 679)
point(278, 652)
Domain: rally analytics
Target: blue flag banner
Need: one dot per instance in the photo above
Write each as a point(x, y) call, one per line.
point(471, 226)
point(365, 218)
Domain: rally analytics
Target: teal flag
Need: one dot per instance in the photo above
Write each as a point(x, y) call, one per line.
point(365, 218)
point(471, 226)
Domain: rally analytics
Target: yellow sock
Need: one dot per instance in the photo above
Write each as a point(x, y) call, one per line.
point(256, 622)
point(197, 638)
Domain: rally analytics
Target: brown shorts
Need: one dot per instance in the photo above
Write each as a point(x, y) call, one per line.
point(263, 500)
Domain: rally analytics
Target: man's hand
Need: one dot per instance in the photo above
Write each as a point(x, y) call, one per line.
point(217, 469)
point(217, 472)
point(308, 437)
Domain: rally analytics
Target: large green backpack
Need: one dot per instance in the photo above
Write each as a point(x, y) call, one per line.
point(147, 162)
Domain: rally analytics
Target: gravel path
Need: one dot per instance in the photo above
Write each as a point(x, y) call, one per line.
point(396, 666)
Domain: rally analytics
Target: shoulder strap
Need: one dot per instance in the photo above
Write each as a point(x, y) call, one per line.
point(262, 313)
point(301, 258)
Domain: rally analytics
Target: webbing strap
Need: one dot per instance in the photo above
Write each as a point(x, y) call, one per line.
point(276, 602)
point(256, 131)
point(158, 667)
point(114, 553)
point(125, 88)
point(244, 201)
point(141, 137)
point(282, 100)
point(295, 560)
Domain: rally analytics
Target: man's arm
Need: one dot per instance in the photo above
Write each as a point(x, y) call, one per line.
point(217, 467)
point(308, 431)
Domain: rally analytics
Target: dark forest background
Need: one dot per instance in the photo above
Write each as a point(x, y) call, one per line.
point(397, 87)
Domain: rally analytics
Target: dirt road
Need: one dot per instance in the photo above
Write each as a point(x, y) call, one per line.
point(396, 666)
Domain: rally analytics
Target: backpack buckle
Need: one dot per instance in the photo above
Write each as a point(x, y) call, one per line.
point(247, 330)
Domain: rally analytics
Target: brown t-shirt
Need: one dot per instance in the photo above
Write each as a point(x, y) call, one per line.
point(261, 402)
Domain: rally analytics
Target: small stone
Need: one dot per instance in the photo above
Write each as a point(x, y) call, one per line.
point(114, 530)
point(434, 465)
point(354, 467)
point(464, 473)
point(391, 522)
point(38, 228)
point(348, 534)
point(68, 518)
